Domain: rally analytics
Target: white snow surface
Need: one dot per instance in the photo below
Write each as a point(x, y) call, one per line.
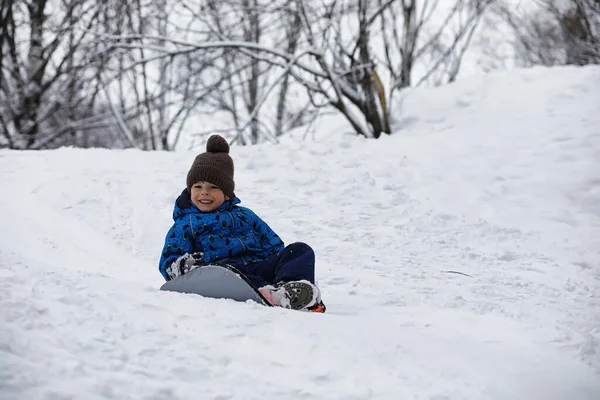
point(497, 177)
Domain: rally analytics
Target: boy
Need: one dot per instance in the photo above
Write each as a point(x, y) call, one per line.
point(210, 228)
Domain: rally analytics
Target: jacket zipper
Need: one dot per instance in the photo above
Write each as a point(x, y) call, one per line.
point(192, 229)
point(233, 233)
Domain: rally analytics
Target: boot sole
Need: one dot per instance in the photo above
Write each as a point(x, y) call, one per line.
point(300, 294)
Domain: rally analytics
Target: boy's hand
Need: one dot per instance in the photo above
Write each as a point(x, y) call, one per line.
point(185, 264)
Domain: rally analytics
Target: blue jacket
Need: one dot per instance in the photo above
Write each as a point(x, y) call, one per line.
point(231, 234)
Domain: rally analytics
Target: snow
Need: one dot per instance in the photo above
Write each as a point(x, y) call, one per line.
point(495, 177)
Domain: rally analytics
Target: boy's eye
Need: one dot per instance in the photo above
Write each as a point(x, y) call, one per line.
point(213, 187)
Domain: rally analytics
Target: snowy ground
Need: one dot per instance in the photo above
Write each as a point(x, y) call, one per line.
point(496, 177)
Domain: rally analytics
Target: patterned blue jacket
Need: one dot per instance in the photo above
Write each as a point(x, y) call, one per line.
point(231, 234)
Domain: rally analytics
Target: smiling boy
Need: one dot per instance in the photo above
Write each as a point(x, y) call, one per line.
point(210, 228)
point(207, 197)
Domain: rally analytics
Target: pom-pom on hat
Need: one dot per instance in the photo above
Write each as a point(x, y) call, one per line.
point(214, 166)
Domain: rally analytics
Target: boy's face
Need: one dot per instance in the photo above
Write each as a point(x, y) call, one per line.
point(207, 197)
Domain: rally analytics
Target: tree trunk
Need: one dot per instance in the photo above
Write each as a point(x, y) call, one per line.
point(293, 34)
point(409, 43)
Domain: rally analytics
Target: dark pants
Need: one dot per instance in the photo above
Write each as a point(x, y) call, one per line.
point(294, 263)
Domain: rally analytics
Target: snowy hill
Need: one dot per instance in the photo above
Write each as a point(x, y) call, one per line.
point(496, 177)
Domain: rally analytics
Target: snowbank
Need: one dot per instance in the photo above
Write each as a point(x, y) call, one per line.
point(495, 177)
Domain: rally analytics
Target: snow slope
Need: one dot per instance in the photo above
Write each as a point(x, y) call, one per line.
point(496, 177)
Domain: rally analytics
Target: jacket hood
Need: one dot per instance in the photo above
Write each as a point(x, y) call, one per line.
point(184, 205)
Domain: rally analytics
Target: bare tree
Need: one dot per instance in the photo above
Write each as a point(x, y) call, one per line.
point(557, 32)
point(61, 83)
point(291, 15)
point(32, 72)
point(438, 43)
point(336, 66)
point(580, 26)
point(347, 80)
point(148, 69)
point(156, 93)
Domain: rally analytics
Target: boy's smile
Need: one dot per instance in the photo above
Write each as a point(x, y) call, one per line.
point(207, 197)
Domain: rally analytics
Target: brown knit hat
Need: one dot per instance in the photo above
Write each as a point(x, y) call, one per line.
point(214, 166)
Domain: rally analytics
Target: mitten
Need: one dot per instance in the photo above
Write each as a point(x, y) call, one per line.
point(185, 264)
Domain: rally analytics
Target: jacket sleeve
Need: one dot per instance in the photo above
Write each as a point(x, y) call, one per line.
point(178, 242)
point(269, 240)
